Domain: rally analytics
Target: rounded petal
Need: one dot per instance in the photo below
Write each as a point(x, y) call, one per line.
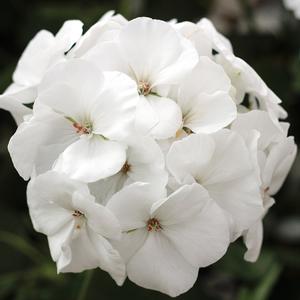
point(99, 218)
point(68, 34)
point(260, 121)
point(207, 77)
point(195, 225)
point(175, 275)
point(38, 142)
point(209, 113)
point(160, 58)
point(146, 116)
point(278, 164)
point(91, 158)
point(169, 117)
point(189, 155)
point(49, 198)
point(113, 110)
point(130, 242)
point(17, 109)
point(35, 59)
point(132, 205)
point(146, 160)
point(84, 82)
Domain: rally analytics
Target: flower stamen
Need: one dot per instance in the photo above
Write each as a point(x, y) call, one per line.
point(77, 213)
point(153, 224)
point(144, 88)
point(126, 168)
point(82, 129)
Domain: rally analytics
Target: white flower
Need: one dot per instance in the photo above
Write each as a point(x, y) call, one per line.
point(105, 30)
point(275, 156)
point(42, 52)
point(293, 5)
point(144, 163)
point(243, 78)
point(77, 227)
point(204, 98)
point(247, 82)
point(79, 121)
point(156, 57)
point(166, 239)
point(221, 163)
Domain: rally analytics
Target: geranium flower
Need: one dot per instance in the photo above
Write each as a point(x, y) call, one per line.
point(166, 239)
point(275, 156)
point(79, 121)
point(42, 52)
point(144, 163)
point(76, 226)
point(211, 160)
point(156, 57)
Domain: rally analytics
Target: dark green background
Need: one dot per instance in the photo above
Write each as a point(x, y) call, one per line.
point(26, 270)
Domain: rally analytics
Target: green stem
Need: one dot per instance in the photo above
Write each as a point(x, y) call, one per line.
point(84, 288)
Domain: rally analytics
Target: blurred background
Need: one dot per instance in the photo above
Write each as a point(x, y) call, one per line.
point(264, 34)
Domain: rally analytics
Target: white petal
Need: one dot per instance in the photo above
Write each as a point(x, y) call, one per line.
point(113, 110)
point(207, 77)
point(260, 121)
point(91, 158)
point(49, 199)
point(189, 155)
point(132, 205)
point(21, 93)
point(220, 42)
point(146, 116)
point(35, 59)
point(169, 117)
point(77, 253)
point(38, 142)
point(278, 164)
point(17, 109)
point(158, 266)
point(109, 258)
point(208, 113)
point(253, 239)
point(68, 34)
point(59, 253)
point(194, 224)
point(84, 82)
point(108, 56)
point(234, 186)
point(146, 161)
point(149, 53)
point(130, 243)
point(98, 218)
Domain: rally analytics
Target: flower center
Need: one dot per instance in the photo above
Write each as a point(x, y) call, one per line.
point(83, 128)
point(144, 88)
point(79, 218)
point(153, 224)
point(126, 168)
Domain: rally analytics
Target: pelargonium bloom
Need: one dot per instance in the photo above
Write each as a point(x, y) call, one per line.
point(275, 156)
point(211, 161)
point(156, 57)
point(42, 52)
point(78, 229)
point(166, 239)
point(78, 124)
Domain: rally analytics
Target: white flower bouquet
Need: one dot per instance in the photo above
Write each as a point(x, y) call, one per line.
point(150, 147)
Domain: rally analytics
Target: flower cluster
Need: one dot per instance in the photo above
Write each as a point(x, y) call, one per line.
point(150, 147)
